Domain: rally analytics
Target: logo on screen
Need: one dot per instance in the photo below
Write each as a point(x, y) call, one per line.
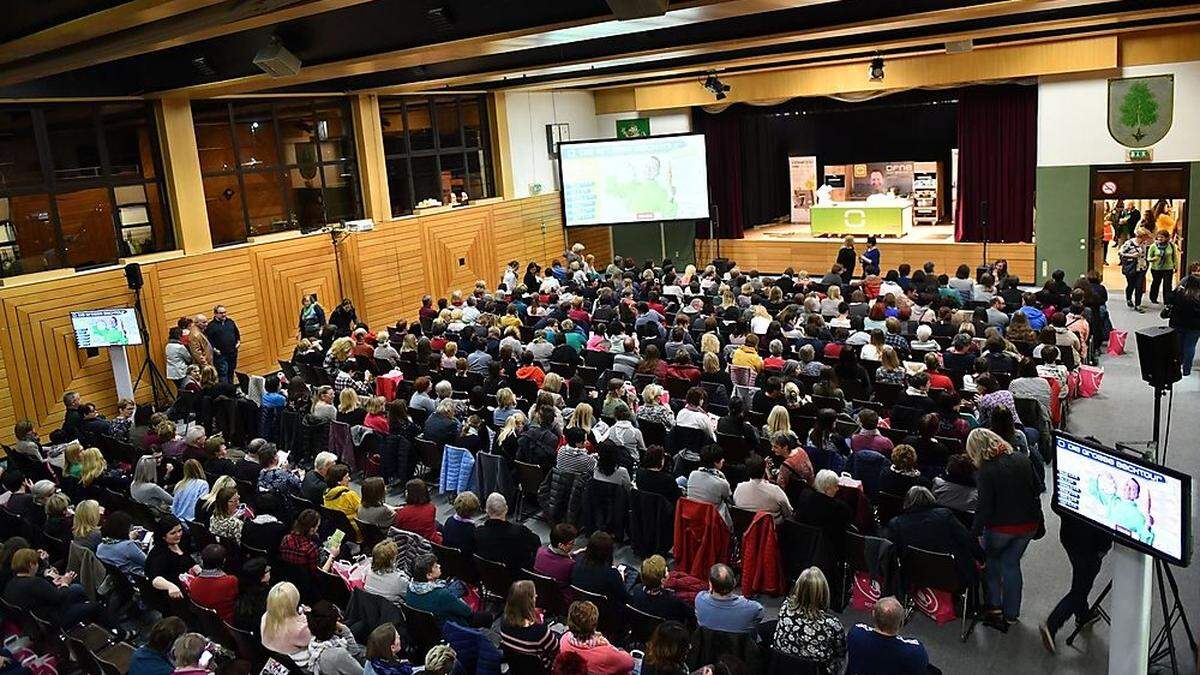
point(854, 218)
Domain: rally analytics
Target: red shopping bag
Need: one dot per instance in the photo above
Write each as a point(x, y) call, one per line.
point(866, 592)
point(1090, 378)
point(936, 604)
point(1116, 342)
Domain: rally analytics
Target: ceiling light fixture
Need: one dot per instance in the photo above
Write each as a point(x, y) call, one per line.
point(875, 70)
point(716, 86)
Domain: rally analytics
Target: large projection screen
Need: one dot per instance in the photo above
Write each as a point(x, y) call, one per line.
point(640, 180)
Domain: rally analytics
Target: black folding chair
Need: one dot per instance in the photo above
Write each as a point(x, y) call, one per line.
point(494, 578)
point(921, 569)
point(550, 597)
point(454, 563)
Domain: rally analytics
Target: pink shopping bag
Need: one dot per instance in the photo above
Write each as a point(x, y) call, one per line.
point(1090, 378)
point(1116, 342)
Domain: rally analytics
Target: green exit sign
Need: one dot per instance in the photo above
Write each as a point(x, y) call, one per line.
point(1139, 155)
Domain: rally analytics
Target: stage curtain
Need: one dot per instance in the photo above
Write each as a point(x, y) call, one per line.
point(723, 141)
point(997, 158)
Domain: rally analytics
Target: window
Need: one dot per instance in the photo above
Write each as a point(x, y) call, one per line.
point(434, 146)
point(274, 165)
point(79, 186)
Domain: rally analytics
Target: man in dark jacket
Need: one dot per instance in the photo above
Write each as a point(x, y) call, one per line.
point(498, 540)
point(1086, 547)
point(441, 427)
point(225, 337)
point(539, 443)
point(819, 507)
point(72, 418)
point(314, 485)
point(927, 526)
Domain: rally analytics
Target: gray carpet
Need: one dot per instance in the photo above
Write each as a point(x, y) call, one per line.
point(1122, 411)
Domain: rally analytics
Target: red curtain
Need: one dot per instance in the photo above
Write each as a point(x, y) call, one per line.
point(723, 146)
point(997, 156)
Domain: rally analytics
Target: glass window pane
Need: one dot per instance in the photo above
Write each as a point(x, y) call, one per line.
point(214, 138)
point(427, 184)
point(298, 134)
point(333, 132)
point(19, 164)
point(30, 244)
point(453, 176)
point(307, 200)
point(479, 182)
point(420, 126)
point(88, 231)
point(74, 145)
point(341, 192)
point(128, 138)
point(449, 133)
point(264, 201)
point(256, 144)
point(391, 119)
point(223, 199)
point(398, 191)
point(472, 121)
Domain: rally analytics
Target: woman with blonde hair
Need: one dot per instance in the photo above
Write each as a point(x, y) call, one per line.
point(807, 629)
point(145, 488)
point(833, 300)
point(506, 440)
point(506, 406)
point(890, 370)
point(204, 507)
point(654, 409)
point(284, 628)
point(73, 458)
point(189, 490)
point(521, 630)
point(93, 466)
point(584, 417)
point(376, 418)
point(778, 420)
point(1008, 515)
point(710, 344)
point(85, 527)
point(385, 579)
point(760, 321)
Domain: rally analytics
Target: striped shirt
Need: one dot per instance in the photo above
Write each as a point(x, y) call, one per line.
point(536, 640)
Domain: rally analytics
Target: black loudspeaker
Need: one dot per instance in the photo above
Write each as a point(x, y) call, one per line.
point(133, 276)
point(1158, 352)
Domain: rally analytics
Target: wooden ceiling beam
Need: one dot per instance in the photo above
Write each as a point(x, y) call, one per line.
point(687, 13)
point(649, 58)
point(208, 19)
point(125, 16)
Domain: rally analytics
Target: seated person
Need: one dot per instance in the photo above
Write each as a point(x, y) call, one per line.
point(903, 472)
point(956, 489)
point(582, 639)
point(117, 546)
point(56, 598)
point(652, 477)
point(212, 587)
point(868, 436)
point(926, 525)
point(880, 650)
point(554, 559)
point(820, 508)
point(333, 649)
point(418, 513)
point(650, 597)
point(459, 529)
point(429, 592)
point(386, 579)
point(758, 493)
point(511, 544)
point(708, 483)
point(594, 570)
point(720, 608)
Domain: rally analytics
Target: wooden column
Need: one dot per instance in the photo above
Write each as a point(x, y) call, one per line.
point(501, 161)
point(372, 169)
point(181, 163)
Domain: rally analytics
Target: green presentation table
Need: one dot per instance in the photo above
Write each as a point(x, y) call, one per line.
point(861, 218)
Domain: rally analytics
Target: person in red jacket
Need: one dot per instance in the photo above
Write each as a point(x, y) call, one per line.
point(418, 513)
point(213, 588)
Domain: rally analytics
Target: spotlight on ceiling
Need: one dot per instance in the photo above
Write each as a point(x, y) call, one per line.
point(275, 60)
point(875, 70)
point(716, 86)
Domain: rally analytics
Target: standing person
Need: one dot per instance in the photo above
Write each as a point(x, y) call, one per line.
point(178, 357)
point(1184, 304)
point(1008, 516)
point(870, 257)
point(1107, 234)
point(1086, 547)
point(847, 258)
point(343, 317)
point(312, 317)
point(1134, 263)
point(198, 343)
point(1163, 256)
point(223, 334)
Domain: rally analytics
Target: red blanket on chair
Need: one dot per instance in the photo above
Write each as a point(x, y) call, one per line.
point(762, 567)
point(701, 537)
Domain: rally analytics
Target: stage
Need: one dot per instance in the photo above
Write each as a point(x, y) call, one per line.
point(772, 247)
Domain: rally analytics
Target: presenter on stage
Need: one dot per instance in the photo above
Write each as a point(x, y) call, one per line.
point(1086, 547)
point(847, 258)
point(870, 257)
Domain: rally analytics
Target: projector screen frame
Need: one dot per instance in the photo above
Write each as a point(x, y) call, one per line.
point(562, 201)
point(136, 340)
point(1185, 481)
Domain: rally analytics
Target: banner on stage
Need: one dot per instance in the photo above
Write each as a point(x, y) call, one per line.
point(803, 174)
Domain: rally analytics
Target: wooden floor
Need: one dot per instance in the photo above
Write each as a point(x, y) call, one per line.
point(773, 248)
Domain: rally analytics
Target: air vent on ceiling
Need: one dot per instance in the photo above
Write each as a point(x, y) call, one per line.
point(637, 9)
point(200, 63)
point(959, 46)
point(441, 19)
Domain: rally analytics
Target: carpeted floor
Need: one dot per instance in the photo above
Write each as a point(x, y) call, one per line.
point(1122, 411)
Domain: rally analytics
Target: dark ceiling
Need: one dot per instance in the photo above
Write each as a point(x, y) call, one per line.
point(386, 25)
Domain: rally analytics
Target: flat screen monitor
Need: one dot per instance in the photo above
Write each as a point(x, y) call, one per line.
point(1143, 505)
point(640, 180)
point(116, 327)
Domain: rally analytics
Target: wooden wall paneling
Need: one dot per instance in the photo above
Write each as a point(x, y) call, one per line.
point(598, 241)
point(281, 273)
point(459, 249)
point(387, 256)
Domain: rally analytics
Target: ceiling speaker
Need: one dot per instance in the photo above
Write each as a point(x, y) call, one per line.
point(276, 61)
point(637, 9)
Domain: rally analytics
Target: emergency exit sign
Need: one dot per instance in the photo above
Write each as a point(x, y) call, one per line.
point(1139, 155)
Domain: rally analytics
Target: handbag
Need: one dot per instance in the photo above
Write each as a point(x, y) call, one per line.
point(1116, 342)
point(1090, 378)
point(866, 592)
point(935, 603)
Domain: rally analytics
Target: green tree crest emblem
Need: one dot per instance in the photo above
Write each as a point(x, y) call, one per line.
point(1140, 109)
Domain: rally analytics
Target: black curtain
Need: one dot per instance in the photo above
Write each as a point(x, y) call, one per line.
point(723, 149)
point(917, 126)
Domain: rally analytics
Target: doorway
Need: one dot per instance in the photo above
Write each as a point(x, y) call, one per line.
point(1156, 192)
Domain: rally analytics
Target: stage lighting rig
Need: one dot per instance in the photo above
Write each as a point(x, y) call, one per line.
point(875, 70)
point(716, 86)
